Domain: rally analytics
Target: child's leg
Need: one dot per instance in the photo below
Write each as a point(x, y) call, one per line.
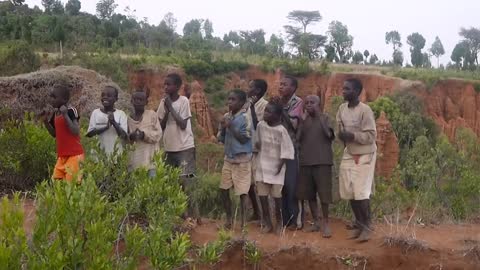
point(243, 210)
point(327, 233)
point(316, 221)
point(253, 198)
point(225, 185)
point(267, 221)
point(278, 216)
point(227, 205)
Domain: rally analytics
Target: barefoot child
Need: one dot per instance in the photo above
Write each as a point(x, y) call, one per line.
point(357, 130)
point(109, 123)
point(175, 120)
point(235, 134)
point(316, 160)
point(64, 127)
point(145, 133)
point(275, 147)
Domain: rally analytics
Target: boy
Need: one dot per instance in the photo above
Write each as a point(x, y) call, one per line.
point(357, 130)
point(235, 134)
point(145, 132)
point(275, 147)
point(63, 126)
point(293, 110)
point(255, 108)
point(315, 137)
point(108, 123)
point(174, 115)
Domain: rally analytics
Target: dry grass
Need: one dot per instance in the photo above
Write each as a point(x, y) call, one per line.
point(406, 243)
point(473, 250)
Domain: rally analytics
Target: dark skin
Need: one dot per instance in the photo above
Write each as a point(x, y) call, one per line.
point(351, 95)
point(109, 97)
point(139, 101)
point(286, 90)
point(171, 91)
point(254, 94)
point(59, 101)
point(273, 119)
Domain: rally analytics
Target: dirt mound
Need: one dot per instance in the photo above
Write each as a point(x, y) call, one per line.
point(29, 92)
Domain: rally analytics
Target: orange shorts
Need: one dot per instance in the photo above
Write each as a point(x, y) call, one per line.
point(68, 167)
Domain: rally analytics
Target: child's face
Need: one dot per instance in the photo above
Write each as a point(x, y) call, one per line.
point(56, 98)
point(108, 97)
point(349, 93)
point(270, 116)
point(139, 101)
point(234, 103)
point(252, 90)
point(169, 86)
point(312, 105)
point(286, 88)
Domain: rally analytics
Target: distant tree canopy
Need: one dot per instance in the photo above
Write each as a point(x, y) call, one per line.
point(307, 44)
point(340, 41)
point(417, 43)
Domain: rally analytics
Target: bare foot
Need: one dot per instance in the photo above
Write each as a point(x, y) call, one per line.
point(327, 233)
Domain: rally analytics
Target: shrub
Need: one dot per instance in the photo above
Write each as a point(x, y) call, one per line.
point(199, 68)
point(28, 154)
point(18, 57)
point(214, 84)
point(207, 195)
point(13, 240)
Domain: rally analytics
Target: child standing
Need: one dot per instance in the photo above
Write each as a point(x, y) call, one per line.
point(275, 147)
point(175, 120)
point(145, 132)
point(108, 123)
point(64, 127)
point(316, 160)
point(235, 134)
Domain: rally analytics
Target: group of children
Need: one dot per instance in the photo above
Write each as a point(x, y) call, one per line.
point(280, 148)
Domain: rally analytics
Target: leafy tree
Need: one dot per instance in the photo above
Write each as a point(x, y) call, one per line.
point(275, 46)
point(53, 6)
point(253, 42)
point(193, 29)
point(461, 55)
point(437, 49)
point(208, 29)
point(472, 37)
point(394, 38)
point(357, 57)
point(304, 17)
point(398, 58)
point(366, 53)
point(170, 21)
point(331, 55)
point(417, 43)
point(73, 7)
point(340, 40)
point(232, 39)
point(373, 59)
point(17, 2)
point(106, 8)
point(426, 60)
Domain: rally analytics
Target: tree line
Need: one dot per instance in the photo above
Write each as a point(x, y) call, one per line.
point(60, 25)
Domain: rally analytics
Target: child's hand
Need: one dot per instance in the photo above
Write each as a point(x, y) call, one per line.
point(132, 136)
point(279, 169)
point(346, 136)
point(63, 110)
point(168, 104)
point(258, 145)
point(140, 134)
point(111, 117)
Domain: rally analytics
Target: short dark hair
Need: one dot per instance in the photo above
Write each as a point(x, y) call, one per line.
point(63, 89)
point(356, 83)
point(115, 89)
point(293, 80)
point(260, 84)
point(177, 80)
point(240, 94)
point(277, 107)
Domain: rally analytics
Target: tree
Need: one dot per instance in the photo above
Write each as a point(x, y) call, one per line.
point(373, 59)
point(253, 42)
point(275, 46)
point(106, 8)
point(17, 2)
point(366, 53)
point(340, 40)
point(472, 37)
point(73, 7)
point(52, 6)
point(193, 29)
point(417, 43)
point(304, 17)
point(398, 58)
point(437, 49)
point(461, 55)
point(426, 60)
point(170, 21)
point(394, 38)
point(357, 57)
point(208, 29)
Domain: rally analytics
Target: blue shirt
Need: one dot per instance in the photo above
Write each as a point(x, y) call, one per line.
point(233, 148)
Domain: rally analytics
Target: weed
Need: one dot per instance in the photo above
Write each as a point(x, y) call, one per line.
point(253, 254)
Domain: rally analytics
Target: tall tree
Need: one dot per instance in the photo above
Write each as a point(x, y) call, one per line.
point(340, 40)
point(472, 37)
point(366, 53)
point(275, 46)
point(106, 8)
point(17, 2)
point(461, 55)
point(52, 6)
point(417, 43)
point(193, 29)
point(304, 17)
point(398, 58)
point(373, 59)
point(73, 7)
point(208, 29)
point(357, 57)
point(394, 38)
point(253, 42)
point(437, 49)
point(170, 21)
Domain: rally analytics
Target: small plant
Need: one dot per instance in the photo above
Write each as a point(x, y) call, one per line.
point(210, 253)
point(252, 253)
point(13, 240)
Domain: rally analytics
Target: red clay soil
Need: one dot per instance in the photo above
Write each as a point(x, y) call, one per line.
point(447, 247)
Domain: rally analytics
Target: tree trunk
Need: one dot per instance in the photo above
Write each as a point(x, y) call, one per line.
point(61, 50)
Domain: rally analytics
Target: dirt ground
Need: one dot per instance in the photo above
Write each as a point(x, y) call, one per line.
point(443, 247)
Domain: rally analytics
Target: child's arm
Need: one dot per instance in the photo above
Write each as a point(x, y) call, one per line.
point(254, 115)
point(299, 133)
point(120, 132)
point(72, 124)
point(280, 166)
point(240, 133)
point(49, 126)
point(327, 127)
point(153, 133)
point(98, 131)
point(181, 122)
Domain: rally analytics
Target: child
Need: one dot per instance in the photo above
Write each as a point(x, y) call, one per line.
point(63, 125)
point(175, 120)
point(108, 123)
point(235, 133)
point(145, 132)
point(357, 130)
point(275, 147)
point(316, 160)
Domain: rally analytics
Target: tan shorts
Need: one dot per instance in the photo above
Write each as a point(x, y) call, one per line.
point(238, 176)
point(355, 180)
point(265, 189)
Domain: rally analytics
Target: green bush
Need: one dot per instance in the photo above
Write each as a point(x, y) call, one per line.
point(214, 84)
point(299, 67)
point(13, 240)
point(28, 154)
point(207, 195)
point(199, 68)
point(17, 57)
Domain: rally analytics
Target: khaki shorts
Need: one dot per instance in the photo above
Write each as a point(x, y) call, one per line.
point(265, 189)
point(355, 180)
point(236, 175)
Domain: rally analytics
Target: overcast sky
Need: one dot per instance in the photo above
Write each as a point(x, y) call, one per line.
point(367, 20)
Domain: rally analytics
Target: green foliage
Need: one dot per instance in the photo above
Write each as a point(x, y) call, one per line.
point(17, 57)
point(28, 154)
point(207, 195)
point(204, 68)
point(211, 252)
point(214, 84)
point(340, 40)
point(252, 253)
point(300, 67)
point(13, 240)
point(417, 43)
